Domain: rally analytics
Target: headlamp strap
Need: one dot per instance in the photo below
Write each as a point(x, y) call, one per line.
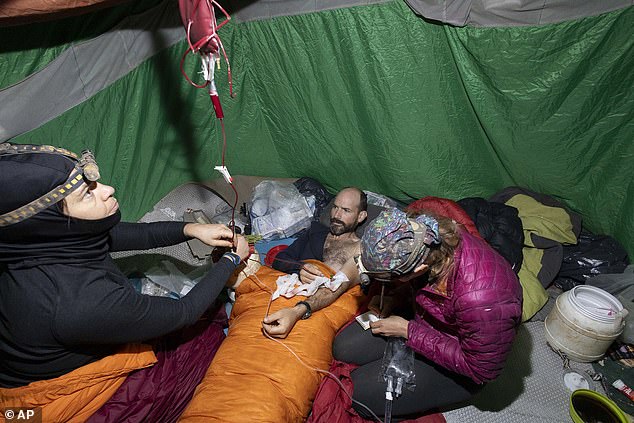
point(359, 263)
point(55, 195)
point(84, 167)
point(8, 148)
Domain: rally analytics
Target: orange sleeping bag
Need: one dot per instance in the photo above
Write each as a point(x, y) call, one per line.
point(75, 396)
point(255, 379)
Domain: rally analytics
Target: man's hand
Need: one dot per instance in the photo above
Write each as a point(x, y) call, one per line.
point(213, 234)
point(280, 323)
point(309, 272)
point(390, 326)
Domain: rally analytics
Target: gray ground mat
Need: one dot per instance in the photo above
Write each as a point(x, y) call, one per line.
point(530, 389)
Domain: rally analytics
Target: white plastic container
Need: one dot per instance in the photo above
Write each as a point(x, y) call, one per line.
point(628, 333)
point(584, 322)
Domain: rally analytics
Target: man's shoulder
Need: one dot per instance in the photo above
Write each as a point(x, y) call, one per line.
point(317, 227)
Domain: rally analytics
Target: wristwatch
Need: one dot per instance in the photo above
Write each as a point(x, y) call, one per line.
point(309, 310)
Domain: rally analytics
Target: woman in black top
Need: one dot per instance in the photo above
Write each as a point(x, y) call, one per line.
point(63, 301)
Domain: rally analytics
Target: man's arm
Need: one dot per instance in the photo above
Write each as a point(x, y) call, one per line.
point(280, 323)
point(324, 296)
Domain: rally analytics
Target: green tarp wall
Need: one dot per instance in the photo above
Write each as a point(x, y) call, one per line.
point(371, 96)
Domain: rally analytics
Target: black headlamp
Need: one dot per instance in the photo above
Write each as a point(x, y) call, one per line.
point(85, 169)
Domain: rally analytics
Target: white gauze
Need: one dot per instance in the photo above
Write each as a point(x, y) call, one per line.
point(289, 285)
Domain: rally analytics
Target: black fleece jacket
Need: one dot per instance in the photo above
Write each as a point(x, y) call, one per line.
point(56, 317)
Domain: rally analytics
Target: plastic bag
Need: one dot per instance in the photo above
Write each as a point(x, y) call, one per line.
point(380, 200)
point(146, 287)
point(170, 281)
point(242, 222)
point(397, 367)
point(314, 192)
point(592, 255)
point(278, 210)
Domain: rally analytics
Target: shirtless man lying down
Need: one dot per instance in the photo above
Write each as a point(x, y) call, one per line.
point(333, 245)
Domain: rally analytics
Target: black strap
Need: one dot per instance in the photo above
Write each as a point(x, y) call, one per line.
point(85, 167)
point(56, 195)
point(309, 310)
point(8, 148)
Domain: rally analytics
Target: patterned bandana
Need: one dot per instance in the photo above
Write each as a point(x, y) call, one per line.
point(389, 240)
point(432, 235)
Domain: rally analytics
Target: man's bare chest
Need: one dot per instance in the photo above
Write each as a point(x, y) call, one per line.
point(338, 251)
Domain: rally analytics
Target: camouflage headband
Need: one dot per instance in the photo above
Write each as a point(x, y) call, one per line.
point(395, 244)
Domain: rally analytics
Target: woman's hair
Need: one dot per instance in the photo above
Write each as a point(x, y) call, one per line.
point(440, 258)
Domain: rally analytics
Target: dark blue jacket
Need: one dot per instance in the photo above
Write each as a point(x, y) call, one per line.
point(309, 245)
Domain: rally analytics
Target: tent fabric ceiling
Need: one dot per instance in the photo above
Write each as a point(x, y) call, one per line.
point(86, 68)
point(17, 12)
point(454, 12)
point(512, 12)
point(371, 96)
point(250, 10)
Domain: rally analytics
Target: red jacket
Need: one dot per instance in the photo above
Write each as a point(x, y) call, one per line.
point(469, 328)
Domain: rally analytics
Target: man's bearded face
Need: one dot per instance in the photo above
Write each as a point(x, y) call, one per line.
point(344, 215)
point(339, 227)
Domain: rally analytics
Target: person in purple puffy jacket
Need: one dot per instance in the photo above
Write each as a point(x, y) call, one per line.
point(465, 307)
